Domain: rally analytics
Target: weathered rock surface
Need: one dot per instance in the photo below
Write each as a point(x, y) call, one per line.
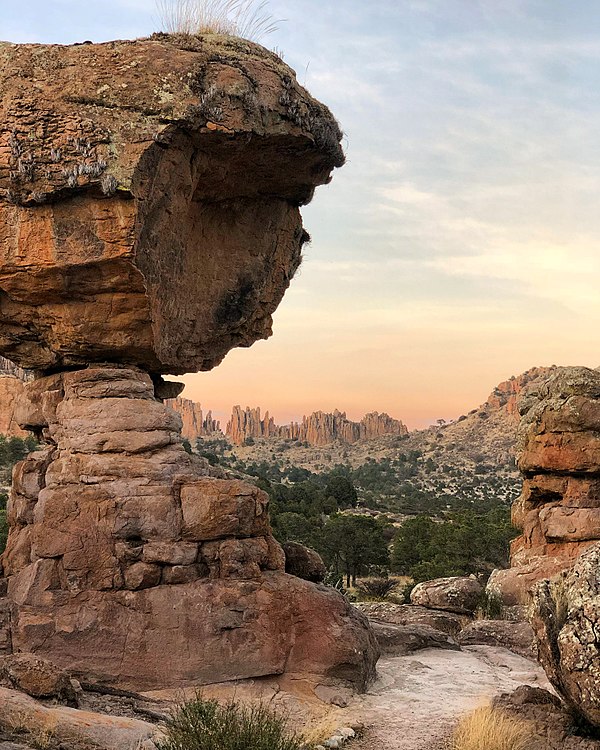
point(59, 726)
point(194, 423)
point(149, 195)
point(124, 548)
point(552, 728)
point(460, 594)
point(558, 451)
point(410, 614)
point(399, 640)
point(304, 562)
point(565, 617)
point(37, 677)
point(514, 636)
point(317, 429)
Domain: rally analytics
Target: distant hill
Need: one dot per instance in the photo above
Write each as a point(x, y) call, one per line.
point(466, 463)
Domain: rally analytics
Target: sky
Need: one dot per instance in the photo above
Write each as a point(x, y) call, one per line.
point(460, 244)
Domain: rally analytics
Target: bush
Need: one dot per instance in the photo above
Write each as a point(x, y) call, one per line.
point(3, 530)
point(376, 588)
point(208, 725)
point(490, 729)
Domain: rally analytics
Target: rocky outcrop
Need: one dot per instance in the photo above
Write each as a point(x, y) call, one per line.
point(304, 562)
point(559, 455)
point(565, 616)
point(317, 429)
point(12, 378)
point(194, 423)
point(460, 594)
point(123, 546)
point(136, 183)
point(149, 222)
point(514, 636)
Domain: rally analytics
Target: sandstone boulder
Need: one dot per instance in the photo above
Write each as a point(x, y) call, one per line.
point(460, 594)
point(565, 617)
point(514, 636)
point(303, 562)
point(399, 640)
point(149, 196)
point(68, 727)
point(37, 677)
point(128, 561)
point(410, 614)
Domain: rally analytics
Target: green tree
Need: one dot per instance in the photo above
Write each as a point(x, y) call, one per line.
point(340, 488)
point(350, 544)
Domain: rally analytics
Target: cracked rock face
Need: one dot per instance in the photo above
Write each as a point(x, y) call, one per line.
point(149, 199)
point(565, 616)
point(558, 452)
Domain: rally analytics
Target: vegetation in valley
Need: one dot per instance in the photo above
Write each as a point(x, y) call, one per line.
point(207, 725)
point(424, 534)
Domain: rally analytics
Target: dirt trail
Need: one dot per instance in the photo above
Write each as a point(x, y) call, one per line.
point(417, 699)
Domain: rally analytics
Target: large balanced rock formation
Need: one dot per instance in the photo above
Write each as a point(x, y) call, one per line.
point(566, 622)
point(319, 428)
point(559, 455)
point(149, 222)
point(149, 196)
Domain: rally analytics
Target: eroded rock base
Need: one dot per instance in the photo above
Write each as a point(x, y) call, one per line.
point(136, 564)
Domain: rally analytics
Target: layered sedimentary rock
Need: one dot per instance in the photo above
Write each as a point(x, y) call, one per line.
point(149, 198)
point(130, 562)
point(149, 222)
point(565, 616)
point(559, 455)
point(195, 423)
point(319, 428)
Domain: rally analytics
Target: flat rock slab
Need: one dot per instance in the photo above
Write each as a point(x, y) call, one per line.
point(418, 698)
point(72, 728)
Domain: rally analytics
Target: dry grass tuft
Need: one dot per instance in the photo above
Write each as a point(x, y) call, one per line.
point(490, 729)
point(248, 19)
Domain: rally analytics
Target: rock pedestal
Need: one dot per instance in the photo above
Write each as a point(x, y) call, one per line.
point(559, 455)
point(149, 222)
point(132, 562)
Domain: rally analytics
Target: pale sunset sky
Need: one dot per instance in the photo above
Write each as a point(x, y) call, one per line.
point(461, 243)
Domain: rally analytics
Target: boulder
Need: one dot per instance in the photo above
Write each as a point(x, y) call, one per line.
point(551, 726)
point(514, 636)
point(149, 198)
point(460, 594)
point(399, 640)
point(129, 561)
point(37, 677)
point(410, 614)
point(69, 727)
point(565, 617)
point(304, 562)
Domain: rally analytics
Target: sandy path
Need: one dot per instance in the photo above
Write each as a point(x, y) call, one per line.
point(417, 699)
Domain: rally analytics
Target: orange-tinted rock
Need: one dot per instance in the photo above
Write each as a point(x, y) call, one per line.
point(136, 182)
point(317, 429)
point(558, 452)
point(194, 423)
point(124, 548)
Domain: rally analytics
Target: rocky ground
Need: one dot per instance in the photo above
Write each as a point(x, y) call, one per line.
point(418, 698)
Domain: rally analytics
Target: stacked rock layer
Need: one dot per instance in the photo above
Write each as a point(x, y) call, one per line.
point(149, 222)
point(559, 456)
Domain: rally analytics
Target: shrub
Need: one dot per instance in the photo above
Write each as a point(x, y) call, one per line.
point(207, 725)
point(490, 606)
point(376, 588)
point(490, 729)
point(243, 18)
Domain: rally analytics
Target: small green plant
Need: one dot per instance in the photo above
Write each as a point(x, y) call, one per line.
point(378, 589)
point(490, 606)
point(207, 725)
